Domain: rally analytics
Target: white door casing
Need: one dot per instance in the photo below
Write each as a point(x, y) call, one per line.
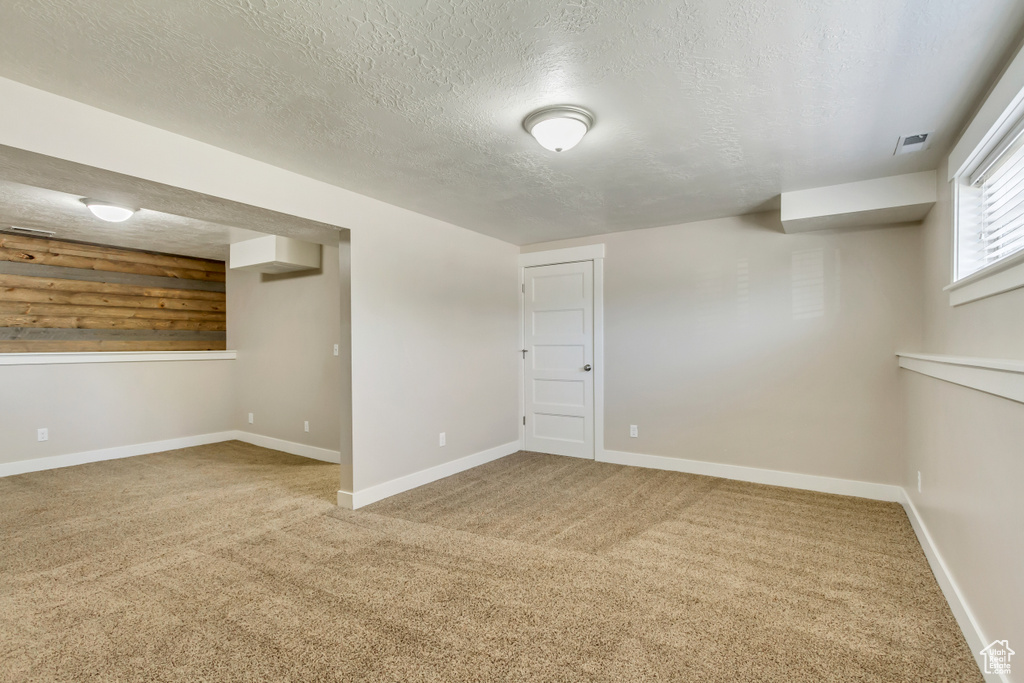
point(558, 329)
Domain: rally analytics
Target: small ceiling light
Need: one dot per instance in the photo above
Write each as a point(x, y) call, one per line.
point(559, 128)
point(107, 211)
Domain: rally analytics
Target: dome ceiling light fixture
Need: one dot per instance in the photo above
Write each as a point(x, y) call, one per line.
point(107, 211)
point(559, 128)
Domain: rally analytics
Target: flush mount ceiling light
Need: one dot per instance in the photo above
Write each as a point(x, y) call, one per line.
point(559, 128)
point(107, 211)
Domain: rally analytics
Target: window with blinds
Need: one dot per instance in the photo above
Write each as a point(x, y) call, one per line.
point(991, 222)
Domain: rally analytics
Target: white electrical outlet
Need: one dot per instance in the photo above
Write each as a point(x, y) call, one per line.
point(442, 440)
point(633, 431)
point(250, 418)
point(43, 434)
point(335, 349)
point(919, 481)
point(306, 425)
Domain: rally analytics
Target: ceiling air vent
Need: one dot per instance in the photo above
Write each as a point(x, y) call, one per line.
point(34, 232)
point(913, 143)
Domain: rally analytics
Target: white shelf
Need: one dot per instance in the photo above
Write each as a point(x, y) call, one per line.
point(999, 377)
point(112, 357)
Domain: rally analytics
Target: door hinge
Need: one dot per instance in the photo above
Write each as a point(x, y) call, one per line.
point(524, 288)
point(524, 420)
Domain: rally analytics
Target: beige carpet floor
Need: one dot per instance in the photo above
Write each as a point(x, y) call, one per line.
point(231, 563)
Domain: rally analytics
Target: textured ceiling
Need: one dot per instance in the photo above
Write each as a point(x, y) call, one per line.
point(34, 207)
point(704, 107)
point(38, 191)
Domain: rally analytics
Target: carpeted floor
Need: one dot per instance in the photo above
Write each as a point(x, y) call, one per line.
point(231, 562)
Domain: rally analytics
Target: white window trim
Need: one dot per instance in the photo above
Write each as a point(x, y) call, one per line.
point(1004, 276)
point(1002, 109)
point(59, 358)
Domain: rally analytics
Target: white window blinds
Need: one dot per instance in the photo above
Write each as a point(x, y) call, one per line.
point(998, 224)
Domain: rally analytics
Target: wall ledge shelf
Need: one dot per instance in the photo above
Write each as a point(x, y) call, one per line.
point(58, 358)
point(996, 376)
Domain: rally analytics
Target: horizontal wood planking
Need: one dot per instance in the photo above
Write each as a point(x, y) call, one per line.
point(48, 259)
point(87, 299)
point(70, 346)
point(18, 242)
point(81, 274)
point(77, 334)
point(71, 311)
point(57, 296)
point(63, 285)
point(88, 323)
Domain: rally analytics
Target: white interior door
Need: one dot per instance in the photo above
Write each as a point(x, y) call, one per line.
point(559, 336)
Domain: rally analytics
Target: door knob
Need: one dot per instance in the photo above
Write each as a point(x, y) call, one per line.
point(586, 367)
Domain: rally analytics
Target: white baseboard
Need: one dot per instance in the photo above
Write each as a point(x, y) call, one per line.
point(808, 482)
point(372, 494)
point(847, 487)
point(886, 492)
point(964, 617)
point(54, 461)
point(292, 447)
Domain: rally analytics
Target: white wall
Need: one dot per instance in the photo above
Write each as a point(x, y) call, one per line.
point(284, 328)
point(730, 342)
point(434, 348)
point(968, 445)
point(105, 405)
point(395, 379)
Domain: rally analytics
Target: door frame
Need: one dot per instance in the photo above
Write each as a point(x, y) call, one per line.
point(590, 252)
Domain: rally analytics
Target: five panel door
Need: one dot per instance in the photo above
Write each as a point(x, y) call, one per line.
point(559, 336)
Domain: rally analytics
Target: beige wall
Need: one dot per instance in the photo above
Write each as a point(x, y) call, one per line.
point(968, 445)
point(435, 329)
point(730, 342)
point(284, 328)
point(406, 358)
point(104, 405)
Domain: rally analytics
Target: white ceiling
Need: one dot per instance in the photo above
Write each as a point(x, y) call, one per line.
point(704, 108)
point(37, 191)
point(35, 207)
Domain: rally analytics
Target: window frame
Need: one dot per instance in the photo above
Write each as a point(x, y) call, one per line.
point(999, 114)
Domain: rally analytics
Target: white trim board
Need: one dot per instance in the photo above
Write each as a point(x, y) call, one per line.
point(545, 258)
point(306, 451)
point(847, 487)
point(885, 492)
point(969, 626)
point(358, 499)
point(51, 462)
point(808, 482)
point(1003, 276)
point(999, 377)
point(992, 121)
point(59, 358)
point(965, 619)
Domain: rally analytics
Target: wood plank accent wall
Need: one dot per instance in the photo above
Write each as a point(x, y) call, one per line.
point(67, 296)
